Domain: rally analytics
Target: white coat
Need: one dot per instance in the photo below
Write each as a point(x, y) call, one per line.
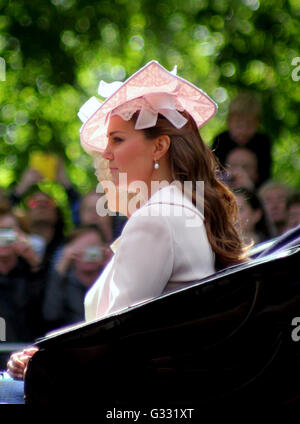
point(163, 246)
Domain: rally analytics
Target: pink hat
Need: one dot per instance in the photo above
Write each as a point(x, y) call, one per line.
point(152, 90)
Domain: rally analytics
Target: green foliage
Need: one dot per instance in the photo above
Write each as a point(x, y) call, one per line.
point(57, 51)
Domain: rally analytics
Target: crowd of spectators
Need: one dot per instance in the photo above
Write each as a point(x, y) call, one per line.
point(267, 208)
point(45, 273)
point(45, 270)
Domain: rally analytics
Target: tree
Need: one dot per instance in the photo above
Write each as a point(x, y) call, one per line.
point(57, 51)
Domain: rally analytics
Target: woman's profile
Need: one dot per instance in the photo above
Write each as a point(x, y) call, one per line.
point(154, 167)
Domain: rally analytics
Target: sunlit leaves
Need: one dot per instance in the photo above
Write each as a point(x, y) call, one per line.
point(57, 51)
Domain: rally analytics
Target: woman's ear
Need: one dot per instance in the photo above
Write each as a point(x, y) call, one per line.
point(161, 146)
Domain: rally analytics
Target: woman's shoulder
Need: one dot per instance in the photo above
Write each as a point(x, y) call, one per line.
point(171, 206)
point(177, 197)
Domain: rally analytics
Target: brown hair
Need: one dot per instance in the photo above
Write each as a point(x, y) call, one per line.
point(192, 160)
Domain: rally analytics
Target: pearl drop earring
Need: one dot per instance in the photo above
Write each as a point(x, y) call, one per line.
point(156, 164)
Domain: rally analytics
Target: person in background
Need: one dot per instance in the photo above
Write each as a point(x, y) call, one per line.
point(31, 177)
point(81, 262)
point(5, 205)
point(241, 166)
point(293, 211)
point(243, 122)
point(46, 220)
point(254, 223)
point(274, 196)
point(88, 215)
point(45, 217)
point(110, 225)
point(20, 281)
point(83, 207)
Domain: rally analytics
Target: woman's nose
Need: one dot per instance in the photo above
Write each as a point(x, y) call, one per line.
point(107, 154)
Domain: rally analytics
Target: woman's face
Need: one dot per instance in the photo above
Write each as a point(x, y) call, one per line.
point(42, 208)
point(244, 160)
point(293, 215)
point(128, 151)
point(248, 216)
point(242, 127)
point(275, 201)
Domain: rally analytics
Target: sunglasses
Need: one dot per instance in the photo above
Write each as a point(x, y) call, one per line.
point(34, 203)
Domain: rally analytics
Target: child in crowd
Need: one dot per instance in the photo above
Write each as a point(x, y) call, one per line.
point(243, 123)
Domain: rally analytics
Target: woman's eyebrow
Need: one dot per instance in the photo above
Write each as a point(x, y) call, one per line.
point(112, 133)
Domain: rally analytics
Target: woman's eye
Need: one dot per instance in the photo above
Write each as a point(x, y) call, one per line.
point(117, 139)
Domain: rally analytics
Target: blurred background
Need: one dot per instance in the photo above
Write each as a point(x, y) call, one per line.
point(57, 51)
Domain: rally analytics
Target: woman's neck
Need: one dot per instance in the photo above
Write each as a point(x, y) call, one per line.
point(137, 200)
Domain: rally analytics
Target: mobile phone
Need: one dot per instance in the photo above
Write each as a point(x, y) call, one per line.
point(7, 237)
point(45, 163)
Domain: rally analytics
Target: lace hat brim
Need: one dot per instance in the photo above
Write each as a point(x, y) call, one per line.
point(152, 82)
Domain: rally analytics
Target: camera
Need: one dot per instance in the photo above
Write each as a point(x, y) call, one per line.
point(7, 237)
point(93, 254)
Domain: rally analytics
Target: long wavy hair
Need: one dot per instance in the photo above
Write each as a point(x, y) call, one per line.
point(192, 160)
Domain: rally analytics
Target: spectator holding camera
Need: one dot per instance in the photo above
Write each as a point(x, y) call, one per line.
point(80, 263)
point(31, 177)
point(20, 281)
point(46, 218)
point(111, 226)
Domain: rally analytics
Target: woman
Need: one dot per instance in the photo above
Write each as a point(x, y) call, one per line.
point(143, 135)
